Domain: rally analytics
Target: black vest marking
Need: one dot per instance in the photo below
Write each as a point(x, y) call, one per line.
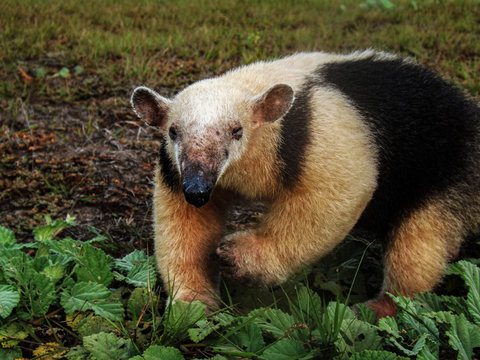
point(423, 128)
point(168, 171)
point(295, 136)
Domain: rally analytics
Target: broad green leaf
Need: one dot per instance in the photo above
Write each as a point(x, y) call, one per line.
point(39, 292)
point(308, 304)
point(406, 304)
point(463, 335)
point(426, 354)
point(333, 286)
point(11, 264)
point(415, 322)
point(140, 269)
point(137, 301)
point(444, 317)
point(54, 266)
point(420, 329)
point(276, 322)
point(430, 301)
point(340, 309)
point(94, 266)
point(91, 296)
point(248, 338)
point(366, 314)
point(389, 325)
point(156, 352)
point(375, 355)
point(55, 272)
point(418, 325)
point(357, 335)
point(129, 261)
point(205, 327)
point(433, 302)
point(216, 357)
point(471, 274)
point(17, 266)
point(72, 249)
point(381, 4)
point(79, 353)
point(7, 237)
point(387, 4)
point(286, 349)
point(9, 298)
point(141, 275)
point(181, 316)
point(49, 231)
point(108, 346)
point(419, 346)
point(11, 334)
point(10, 354)
point(89, 324)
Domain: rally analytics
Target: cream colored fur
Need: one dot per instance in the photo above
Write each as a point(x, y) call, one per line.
point(419, 253)
point(303, 222)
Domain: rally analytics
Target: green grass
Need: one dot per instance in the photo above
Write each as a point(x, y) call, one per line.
point(169, 44)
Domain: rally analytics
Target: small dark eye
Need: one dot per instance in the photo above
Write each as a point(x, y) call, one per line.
point(237, 133)
point(172, 133)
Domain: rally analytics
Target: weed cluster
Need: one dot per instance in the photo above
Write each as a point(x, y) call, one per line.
point(63, 298)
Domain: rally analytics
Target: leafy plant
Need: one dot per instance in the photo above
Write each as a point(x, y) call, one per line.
point(68, 275)
point(59, 291)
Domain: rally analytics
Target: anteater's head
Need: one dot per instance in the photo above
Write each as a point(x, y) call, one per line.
point(207, 127)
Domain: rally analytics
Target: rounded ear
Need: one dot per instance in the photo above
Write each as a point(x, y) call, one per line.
point(150, 106)
point(272, 104)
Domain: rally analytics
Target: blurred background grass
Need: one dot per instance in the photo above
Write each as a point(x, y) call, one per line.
point(168, 44)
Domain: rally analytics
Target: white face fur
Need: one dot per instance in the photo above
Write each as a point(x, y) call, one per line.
point(207, 127)
point(209, 124)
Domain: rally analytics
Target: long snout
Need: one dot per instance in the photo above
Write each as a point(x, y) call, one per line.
point(199, 162)
point(197, 189)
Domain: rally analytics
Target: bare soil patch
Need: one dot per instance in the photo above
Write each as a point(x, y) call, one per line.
point(91, 159)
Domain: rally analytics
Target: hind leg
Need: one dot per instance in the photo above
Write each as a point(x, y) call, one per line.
point(419, 251)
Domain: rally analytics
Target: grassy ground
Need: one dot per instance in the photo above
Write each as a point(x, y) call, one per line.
point(69, 142)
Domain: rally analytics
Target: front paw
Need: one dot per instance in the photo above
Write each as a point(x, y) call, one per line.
point(242, 257)
point(234, 256)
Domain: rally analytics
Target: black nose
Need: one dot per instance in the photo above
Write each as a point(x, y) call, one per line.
point(197, 190)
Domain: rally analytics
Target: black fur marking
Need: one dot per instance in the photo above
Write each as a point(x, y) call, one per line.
point(295, 136)
point(168, 171)
point(424, 129)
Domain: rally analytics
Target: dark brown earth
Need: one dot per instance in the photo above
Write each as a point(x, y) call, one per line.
point(93, 160)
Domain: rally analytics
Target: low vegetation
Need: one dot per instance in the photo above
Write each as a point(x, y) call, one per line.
point(64, 298)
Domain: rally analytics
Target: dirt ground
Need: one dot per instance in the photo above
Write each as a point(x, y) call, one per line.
point(90, 159)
